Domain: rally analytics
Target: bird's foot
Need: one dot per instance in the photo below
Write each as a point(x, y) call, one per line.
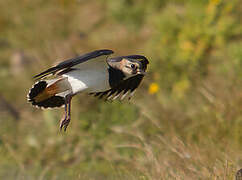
point(64, 123)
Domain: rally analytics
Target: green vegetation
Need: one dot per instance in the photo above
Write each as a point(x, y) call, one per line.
point(185, 121)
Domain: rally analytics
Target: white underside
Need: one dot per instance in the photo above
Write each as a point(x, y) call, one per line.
point(90, 80)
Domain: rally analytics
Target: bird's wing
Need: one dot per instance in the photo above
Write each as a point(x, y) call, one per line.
point(90, 60)
point(124, 88)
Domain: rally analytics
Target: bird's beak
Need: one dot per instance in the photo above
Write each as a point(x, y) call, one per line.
point(141, 72)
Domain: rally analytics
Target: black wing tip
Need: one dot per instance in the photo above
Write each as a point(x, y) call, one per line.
point(103, 52)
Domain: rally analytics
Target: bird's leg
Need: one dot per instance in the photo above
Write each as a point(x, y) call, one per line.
point(66, 120)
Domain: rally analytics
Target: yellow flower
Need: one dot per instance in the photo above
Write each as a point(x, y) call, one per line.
point(154, 88)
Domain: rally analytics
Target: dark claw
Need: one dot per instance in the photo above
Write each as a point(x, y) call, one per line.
point(64, 123)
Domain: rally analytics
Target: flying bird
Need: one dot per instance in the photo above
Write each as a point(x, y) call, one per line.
point(94, 73)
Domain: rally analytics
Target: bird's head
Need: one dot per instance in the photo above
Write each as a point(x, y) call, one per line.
point(130, 65)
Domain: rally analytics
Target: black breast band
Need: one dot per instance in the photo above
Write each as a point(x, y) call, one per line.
point(115, 76)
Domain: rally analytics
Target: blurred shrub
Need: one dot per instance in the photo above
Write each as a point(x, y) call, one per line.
point(185, 40)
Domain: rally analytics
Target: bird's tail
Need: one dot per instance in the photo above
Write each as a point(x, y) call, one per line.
point(49, 93)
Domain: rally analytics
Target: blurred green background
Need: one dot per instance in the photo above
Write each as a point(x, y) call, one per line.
point(184, 122)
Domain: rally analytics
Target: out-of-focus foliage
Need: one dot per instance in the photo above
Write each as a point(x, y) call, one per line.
point(185, 121)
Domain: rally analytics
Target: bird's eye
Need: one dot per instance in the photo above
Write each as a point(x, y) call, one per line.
point(133, 66)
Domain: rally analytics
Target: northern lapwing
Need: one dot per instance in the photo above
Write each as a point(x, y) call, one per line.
point(94, 73)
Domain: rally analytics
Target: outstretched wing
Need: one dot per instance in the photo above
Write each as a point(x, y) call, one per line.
point(84, 60)
point(122, 89)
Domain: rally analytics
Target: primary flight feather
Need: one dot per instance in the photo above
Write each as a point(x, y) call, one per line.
point(94, 73)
